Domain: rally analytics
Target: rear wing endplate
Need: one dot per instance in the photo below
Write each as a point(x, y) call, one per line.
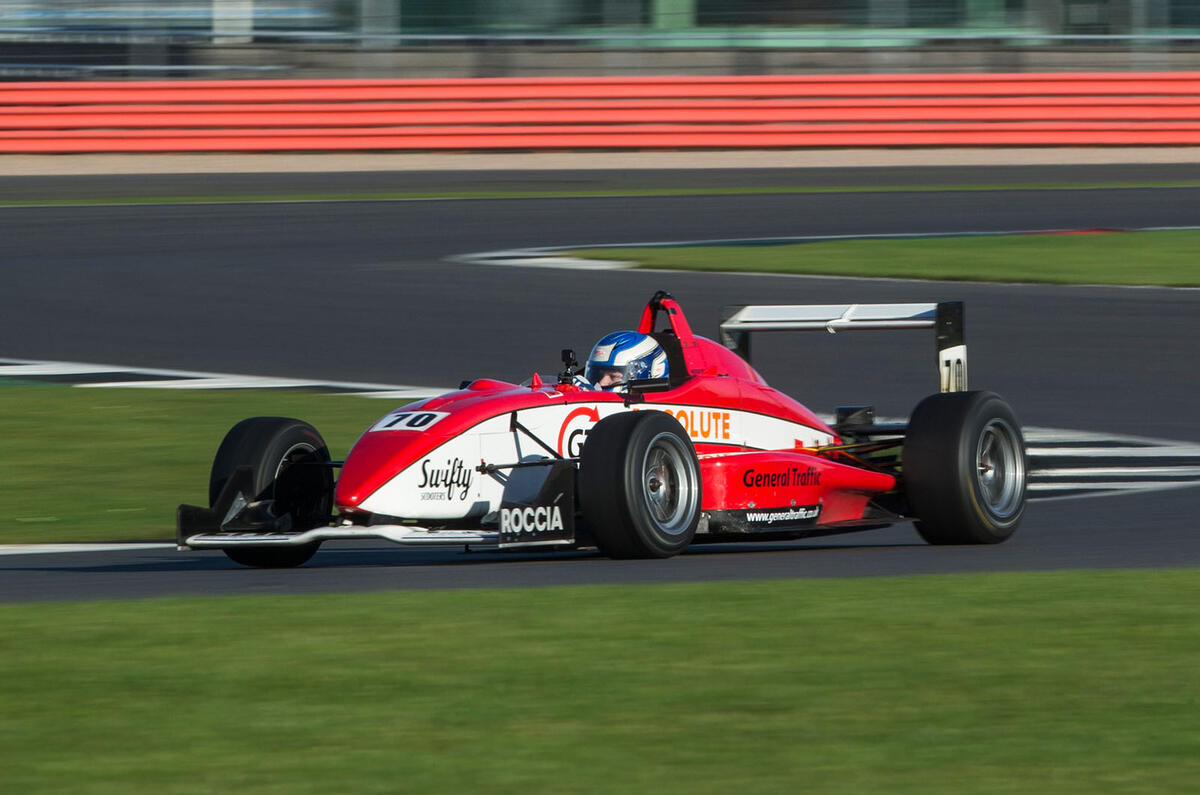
point(946, 318)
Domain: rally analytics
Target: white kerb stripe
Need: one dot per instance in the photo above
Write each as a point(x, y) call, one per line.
point(47, 549)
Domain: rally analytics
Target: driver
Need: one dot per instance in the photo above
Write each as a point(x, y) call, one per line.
point(624, 356)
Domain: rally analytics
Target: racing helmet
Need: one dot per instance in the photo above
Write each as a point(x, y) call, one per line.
point(629, 355)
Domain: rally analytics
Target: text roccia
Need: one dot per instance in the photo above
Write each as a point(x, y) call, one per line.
point(543, 518)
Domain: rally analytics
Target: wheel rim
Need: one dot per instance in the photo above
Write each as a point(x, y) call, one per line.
point(669, 484)
point(1000, 468)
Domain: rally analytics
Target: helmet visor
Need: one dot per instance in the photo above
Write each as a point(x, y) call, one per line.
point(606, 376)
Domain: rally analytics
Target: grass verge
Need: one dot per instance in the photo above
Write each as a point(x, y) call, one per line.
point(1011, 683)
point(1168, 258)
point(112, 464)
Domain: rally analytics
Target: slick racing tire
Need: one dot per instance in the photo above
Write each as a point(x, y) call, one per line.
point(277, 449)
point(639, 485)
point(965, 468)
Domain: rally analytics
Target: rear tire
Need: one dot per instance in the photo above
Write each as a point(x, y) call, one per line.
point(276, 448)
point(965, 468)
point(639, 485)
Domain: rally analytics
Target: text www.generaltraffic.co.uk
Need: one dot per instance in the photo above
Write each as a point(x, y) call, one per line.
point(794, 515)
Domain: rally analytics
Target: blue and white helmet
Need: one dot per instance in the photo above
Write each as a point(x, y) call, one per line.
point(627, 355)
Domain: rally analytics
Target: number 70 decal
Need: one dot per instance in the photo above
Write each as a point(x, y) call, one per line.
point(409, 420)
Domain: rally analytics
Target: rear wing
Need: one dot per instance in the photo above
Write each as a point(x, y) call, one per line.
point(945, 318)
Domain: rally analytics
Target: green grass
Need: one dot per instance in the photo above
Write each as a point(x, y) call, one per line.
point(112, 464)
point(1170, 258)
point(1011, 683)
point(573, 193)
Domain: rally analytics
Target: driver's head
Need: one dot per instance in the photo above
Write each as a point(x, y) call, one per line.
point(625, 356)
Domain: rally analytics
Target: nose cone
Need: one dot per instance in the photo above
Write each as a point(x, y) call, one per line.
point(385, 451)
point(375, 459)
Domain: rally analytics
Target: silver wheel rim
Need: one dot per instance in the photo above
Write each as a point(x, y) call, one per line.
point(669, 484)
point(1000, 469)
point(290, 455)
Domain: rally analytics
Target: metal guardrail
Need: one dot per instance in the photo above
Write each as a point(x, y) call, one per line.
point(48, 52)
point(725, 38)
point(487, 39)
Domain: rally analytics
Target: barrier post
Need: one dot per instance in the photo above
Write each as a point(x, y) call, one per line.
point(232, 21)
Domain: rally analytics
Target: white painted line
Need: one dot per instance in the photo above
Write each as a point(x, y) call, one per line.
point(1163, 449)
point(47, 549)
point(1088, 493)
point(51, 368)
point(1111, 488)
point(191, 379)
point(402, 393)
point(1147, 472)
point(1034, 433)
point(543, 258)
point(215, 382)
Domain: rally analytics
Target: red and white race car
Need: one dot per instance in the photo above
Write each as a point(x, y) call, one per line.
point(709, 453)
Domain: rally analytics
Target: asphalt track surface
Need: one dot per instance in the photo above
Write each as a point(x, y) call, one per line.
point(362, 291)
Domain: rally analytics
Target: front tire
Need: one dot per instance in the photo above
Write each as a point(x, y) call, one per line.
point(965, 468)
point(639, 485)
point(281, 453)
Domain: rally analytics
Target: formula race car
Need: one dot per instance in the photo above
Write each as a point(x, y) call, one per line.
point(709, 452)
